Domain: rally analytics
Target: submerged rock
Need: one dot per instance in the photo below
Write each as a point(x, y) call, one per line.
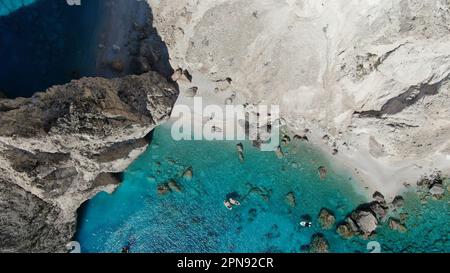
point(326, 219)
point(67, 137)
point(403, 217)
point(262, 192)
point(322, 172)
point(432, 185)
point(345, 231)
point(395, 224)
point(117, 66)
point(319, 244)
point(366, 221)
point(290, 199)
point(174, 186)
point(188, 173)
point(163, 189)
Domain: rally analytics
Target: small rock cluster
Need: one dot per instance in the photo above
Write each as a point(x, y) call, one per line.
point(172, 185)
point(432, 185)
point(168, 187)
point(367, 217)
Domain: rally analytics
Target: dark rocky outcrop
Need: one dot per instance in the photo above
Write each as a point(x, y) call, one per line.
point(61, 147)
point(432, 185)
point(365, 219)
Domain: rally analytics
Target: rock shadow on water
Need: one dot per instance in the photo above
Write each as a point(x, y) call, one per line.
point(49, 42)
point(46, 43)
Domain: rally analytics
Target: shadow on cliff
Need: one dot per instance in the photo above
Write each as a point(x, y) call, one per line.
point(49, 42)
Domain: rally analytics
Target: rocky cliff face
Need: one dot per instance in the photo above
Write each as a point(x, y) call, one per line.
point(369, 79)
point(61, 147)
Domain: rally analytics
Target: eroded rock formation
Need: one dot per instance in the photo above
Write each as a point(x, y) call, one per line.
point(61, 147)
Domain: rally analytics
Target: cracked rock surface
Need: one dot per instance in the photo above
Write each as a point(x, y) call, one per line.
point(61, 147)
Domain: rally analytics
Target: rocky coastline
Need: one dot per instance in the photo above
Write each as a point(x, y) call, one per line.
point(371, 93)
point(61, 147)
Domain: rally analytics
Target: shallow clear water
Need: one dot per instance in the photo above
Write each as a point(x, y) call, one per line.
point(196, 220)
point(428, 228)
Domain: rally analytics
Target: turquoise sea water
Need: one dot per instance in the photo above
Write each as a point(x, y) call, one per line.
point(8, 6)
point(428, 228)
point(196, 220)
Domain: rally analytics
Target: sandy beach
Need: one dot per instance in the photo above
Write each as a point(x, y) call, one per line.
point(370, 173)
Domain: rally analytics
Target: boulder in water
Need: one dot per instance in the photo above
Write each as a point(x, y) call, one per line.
point(319, 244)
point(188, 173)
point(395, 224)
point(163, 189)
point(322, 172)
point(398, 202)
point(174, 186)
point(345, 231)
point(366, 221)
point(326, 219)
point(117, 66)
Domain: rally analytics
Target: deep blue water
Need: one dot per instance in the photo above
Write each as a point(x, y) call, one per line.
point(45, 43)
point(196, 220)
